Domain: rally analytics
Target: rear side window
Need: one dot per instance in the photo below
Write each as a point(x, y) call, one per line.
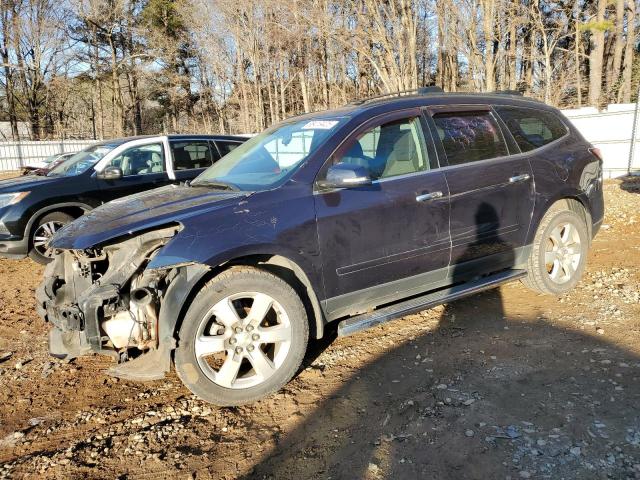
point(190, 154)
point(532, 128)
point(226, 147)
point(469, 136)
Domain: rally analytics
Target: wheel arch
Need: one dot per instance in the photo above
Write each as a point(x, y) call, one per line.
point(191, 278)
point(574, 201)
point(75, 209)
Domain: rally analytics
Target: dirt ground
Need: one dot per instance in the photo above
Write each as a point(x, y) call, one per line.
point(503, 385)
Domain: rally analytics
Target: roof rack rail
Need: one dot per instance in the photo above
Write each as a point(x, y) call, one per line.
point(509, 92)
point(400, 93)
point(431, 89)
point(428, 91)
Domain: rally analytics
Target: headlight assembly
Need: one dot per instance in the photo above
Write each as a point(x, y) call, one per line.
point(7, 199)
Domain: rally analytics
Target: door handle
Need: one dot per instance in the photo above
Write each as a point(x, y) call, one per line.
point(428, 196)
point(520, 178)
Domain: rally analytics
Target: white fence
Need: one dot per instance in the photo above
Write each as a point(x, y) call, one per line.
point(15, 155)
point(610, 130)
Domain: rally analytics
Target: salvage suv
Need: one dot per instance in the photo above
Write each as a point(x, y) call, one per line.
point(358, 215)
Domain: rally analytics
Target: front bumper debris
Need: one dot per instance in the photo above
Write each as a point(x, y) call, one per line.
point(91, 297)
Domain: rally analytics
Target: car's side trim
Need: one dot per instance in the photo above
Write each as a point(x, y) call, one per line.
point(439, 246)
point(424, 302)
point(362, 300)
point(463, 238)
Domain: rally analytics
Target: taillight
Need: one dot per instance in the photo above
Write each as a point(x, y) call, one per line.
point(596, 153)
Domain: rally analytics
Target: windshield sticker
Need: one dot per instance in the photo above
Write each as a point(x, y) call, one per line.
point(320, 125)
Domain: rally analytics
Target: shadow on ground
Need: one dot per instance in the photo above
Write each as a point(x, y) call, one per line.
point(483, 395)
point(631, 183)
point(539, 400)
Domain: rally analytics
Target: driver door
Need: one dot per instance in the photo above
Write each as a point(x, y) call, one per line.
point(390, 239)
point(143, 168)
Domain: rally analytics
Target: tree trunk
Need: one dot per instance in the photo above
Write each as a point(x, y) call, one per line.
point(618, 47)
point(7, 8)
point(513, 43)
point(596, 56)
point(488, 14)
point(625, 90)
point(577, 59)
point(305, 94)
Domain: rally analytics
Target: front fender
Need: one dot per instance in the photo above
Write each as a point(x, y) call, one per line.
point(175, 301)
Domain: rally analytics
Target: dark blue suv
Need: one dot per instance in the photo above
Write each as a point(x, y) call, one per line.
point(357, 215)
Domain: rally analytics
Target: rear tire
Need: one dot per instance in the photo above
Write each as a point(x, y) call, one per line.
point(243, 337)
point(42, 232)
point(559, 254)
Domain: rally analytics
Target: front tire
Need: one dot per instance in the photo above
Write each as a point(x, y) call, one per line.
point(559, 254)
point(45, 228)
point(243, 337)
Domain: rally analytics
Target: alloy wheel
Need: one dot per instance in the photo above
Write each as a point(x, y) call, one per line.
point(563, 253)
point(43, 234)
point(243, 340)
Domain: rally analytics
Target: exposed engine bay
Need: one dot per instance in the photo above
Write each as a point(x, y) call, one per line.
point(103, 300)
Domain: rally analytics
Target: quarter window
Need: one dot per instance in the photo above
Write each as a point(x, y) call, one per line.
point(531, 128)
point(140, 160)
point(192, 154)
point(389, 150)
point(469, 136)
point(226, 147)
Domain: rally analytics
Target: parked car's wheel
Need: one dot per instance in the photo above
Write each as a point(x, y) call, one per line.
point(559, 255)
point(243, 337)
point(44, 229)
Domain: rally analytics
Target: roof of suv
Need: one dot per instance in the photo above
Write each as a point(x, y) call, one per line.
point(386, 103)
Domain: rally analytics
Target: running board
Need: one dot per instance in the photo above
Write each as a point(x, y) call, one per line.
point(417, 304)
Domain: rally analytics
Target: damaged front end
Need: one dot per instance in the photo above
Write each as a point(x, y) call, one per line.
point(103, 300)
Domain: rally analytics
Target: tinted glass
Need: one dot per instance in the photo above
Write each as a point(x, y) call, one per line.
point(532, 128)
point(267, 160)
point(191, 154)
point(226, 147)
point(389, 150)
point(140, 160)
point(469, 136)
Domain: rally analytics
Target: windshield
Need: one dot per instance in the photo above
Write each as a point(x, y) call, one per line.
point(81, 161)
point(269, 159)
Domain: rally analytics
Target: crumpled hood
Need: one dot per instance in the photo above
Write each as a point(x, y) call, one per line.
point(142, 211)
point(25, 183)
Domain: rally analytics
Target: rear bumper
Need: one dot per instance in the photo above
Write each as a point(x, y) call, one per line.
point(14, 249)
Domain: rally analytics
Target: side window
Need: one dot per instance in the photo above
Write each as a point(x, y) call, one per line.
point(532, 128)
point(190, 154)
point(140, 160)
point(469, 136)
point(389, 150)
point(226, 147)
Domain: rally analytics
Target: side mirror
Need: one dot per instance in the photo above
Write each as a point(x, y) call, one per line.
point(110, 173)
point(345, 175)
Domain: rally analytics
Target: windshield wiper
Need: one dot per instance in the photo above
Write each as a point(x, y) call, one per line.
point(216, 184)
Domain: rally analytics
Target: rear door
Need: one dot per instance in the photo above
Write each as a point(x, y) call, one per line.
point(491, 190)
point(143, 167)
point(388, 240)
point(191, 157)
